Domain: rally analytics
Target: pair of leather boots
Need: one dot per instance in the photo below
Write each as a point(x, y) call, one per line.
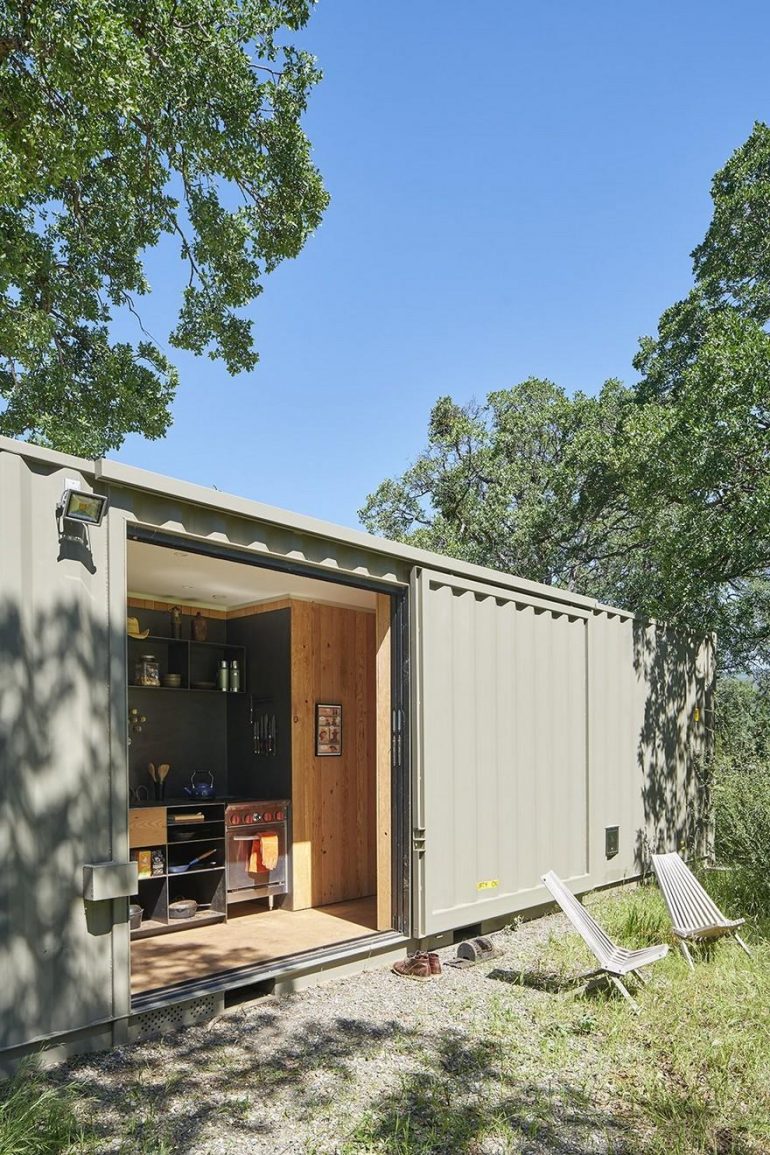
point(422, 964)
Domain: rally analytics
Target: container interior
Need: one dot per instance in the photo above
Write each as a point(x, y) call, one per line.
point(259, 764)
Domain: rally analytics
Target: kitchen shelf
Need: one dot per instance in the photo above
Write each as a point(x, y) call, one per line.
point(186, 642)
point(151, 927)
point(187, 690)
point(192, 841)
point(210, 887)
point(192, 660)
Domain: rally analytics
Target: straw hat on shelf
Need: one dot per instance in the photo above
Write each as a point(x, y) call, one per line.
point(132, 629)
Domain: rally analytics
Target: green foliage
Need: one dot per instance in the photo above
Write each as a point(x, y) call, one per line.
point(742, 735)
point(514, 484)
point(119, 123)
point(742, 831)
point(741, 798)
point(36, 1118)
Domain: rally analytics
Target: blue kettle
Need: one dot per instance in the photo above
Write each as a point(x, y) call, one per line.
point(200, 789)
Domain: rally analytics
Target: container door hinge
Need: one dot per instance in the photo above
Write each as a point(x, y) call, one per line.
point(397, 744)
point(418, 840)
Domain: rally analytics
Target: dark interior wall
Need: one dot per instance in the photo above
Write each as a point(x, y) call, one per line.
point(187, 730)
point(267, 638)
point(213, 731)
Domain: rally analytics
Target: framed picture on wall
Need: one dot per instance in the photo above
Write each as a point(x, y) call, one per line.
point(328, 729)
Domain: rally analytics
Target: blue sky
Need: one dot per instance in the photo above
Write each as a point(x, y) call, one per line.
point(516, 189)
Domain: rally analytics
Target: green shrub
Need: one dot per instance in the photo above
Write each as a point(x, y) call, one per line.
point(742, 838)
point(36, 1119)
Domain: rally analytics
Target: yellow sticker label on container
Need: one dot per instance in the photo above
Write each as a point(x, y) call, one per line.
point(489, 885)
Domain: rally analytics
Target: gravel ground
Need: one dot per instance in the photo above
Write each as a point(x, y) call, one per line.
point(369, 1063)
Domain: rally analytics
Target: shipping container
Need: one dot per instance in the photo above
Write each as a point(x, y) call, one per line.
point(317, 747)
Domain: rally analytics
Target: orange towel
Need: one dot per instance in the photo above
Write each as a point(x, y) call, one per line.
point(269, 851)
point(263, 855)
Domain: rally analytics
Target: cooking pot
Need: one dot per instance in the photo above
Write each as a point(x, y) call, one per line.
point(200, 789)
point(182, 908)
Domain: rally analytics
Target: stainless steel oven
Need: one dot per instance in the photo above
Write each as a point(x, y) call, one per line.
point(256, 836)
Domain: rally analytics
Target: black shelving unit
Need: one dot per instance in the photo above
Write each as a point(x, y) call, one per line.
point(205, 883)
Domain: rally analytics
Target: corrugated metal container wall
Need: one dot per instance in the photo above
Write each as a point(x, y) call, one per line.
point(539, 726)
point(56, 650)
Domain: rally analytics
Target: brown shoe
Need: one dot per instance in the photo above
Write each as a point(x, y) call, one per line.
point(416, 966)
point(434, 962)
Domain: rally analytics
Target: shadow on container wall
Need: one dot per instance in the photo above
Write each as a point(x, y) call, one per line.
point(673, 742)
point(55, 798)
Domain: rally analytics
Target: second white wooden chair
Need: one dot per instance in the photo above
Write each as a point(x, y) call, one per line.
point(694, 914)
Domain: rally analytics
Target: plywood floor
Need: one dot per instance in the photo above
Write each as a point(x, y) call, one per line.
point(252, 934)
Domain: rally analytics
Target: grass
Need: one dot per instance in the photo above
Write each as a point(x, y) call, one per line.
point(689, 1076)
point(692, 1070)
point(38, 1119)
point(529, 1064)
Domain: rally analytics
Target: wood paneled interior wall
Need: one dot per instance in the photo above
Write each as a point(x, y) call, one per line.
point(334, 837)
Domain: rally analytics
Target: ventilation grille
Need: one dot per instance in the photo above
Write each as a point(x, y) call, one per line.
point(149, 1024)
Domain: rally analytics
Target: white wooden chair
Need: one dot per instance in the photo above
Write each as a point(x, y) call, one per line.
point(694, 915)
point(614, 961)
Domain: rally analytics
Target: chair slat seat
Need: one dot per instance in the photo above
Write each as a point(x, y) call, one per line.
point(614, 960)
point(694, 914)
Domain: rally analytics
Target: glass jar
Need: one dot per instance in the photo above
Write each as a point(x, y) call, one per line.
point(147, 671)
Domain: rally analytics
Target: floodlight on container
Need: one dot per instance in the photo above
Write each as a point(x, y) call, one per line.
point(76, 511)
point(84, 508)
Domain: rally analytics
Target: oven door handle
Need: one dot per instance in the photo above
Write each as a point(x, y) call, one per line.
point(245, 837)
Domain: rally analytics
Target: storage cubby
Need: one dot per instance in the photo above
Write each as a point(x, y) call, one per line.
point(152, 896)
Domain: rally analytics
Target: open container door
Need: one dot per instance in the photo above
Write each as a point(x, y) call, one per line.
point(500, 759)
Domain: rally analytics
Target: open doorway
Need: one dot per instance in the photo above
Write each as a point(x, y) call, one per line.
point(260, 768)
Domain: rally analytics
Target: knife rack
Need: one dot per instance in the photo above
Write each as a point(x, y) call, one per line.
point(264, 727)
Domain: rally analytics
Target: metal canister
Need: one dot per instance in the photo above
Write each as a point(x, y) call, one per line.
point(223, 676)
point(235, 677)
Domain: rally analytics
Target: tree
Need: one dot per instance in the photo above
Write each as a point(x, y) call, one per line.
point(121, 123)
point(521, 483)
point(696, 452)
